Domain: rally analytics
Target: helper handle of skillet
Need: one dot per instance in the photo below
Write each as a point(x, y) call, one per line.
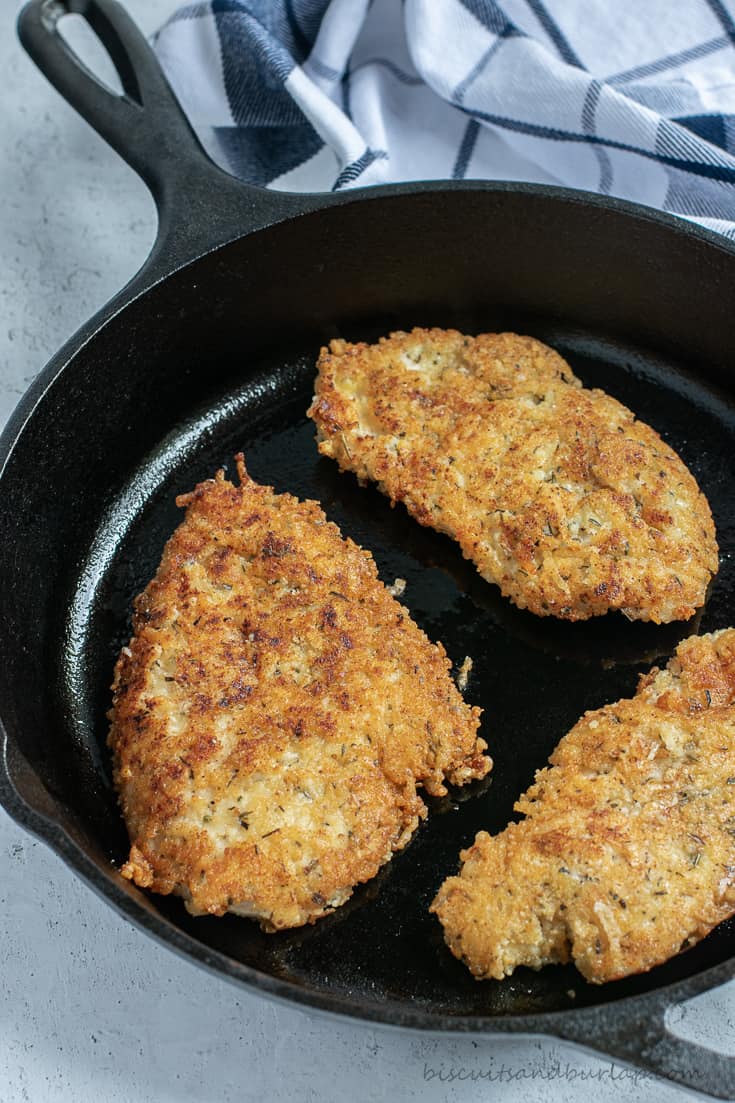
point(638, 1032)
point(199, 205)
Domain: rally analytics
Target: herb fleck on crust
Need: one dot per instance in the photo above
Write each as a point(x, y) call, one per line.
point(555, 492)
point(274, 713)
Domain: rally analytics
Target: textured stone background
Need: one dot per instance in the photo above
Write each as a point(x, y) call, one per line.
point(90, 1009)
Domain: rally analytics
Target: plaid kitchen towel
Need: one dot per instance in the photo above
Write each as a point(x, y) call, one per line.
point(633, 98)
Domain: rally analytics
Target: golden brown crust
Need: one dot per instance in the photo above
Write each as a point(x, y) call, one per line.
point(555, 492)
point(275, 711)
point(626, 854)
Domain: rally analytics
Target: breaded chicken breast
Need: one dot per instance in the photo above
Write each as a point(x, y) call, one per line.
point(274, 713)
point(626, 854)
point(555, 492)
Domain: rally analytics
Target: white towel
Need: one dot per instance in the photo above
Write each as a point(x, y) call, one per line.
point(632, 98)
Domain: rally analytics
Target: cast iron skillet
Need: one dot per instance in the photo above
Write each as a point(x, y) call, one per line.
point(211, 349)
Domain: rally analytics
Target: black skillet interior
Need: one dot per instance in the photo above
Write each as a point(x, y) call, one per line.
point(532, 677)
point(219, 357)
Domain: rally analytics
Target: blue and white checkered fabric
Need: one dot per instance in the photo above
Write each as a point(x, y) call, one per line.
point(633, 98)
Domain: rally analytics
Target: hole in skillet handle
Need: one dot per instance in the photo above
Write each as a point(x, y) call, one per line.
point(638, 1033)
point(89, 52)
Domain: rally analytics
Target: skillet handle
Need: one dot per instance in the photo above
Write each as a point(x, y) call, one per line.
point(199, 204)
point(640, 1035)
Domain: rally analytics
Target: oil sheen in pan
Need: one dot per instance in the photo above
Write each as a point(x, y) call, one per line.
point(533, 677)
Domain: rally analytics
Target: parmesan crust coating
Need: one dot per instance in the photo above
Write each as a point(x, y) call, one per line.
point(274, 713)
point(626, 854)
point(555, 492)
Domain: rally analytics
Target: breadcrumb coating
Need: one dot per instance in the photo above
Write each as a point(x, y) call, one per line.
point(274, 713)
point(626, 854)
point(556, 492)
